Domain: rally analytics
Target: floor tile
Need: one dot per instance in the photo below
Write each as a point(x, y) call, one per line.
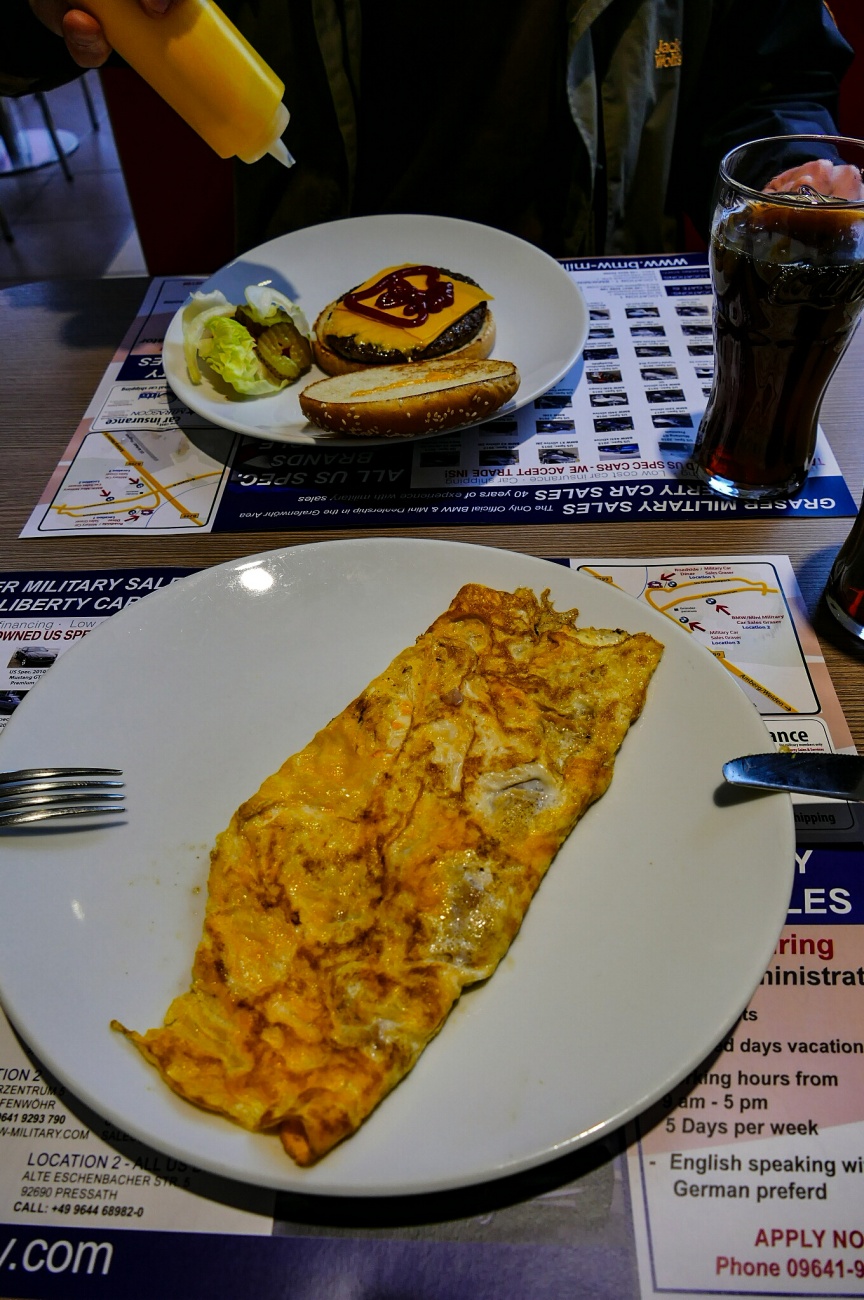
point(128, 260)
point(69, 229)
point(81, 249)
point(18, 193)
point(102, 193)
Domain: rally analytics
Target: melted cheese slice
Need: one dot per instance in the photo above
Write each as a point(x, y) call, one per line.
point(390, 863)
point(345, 323)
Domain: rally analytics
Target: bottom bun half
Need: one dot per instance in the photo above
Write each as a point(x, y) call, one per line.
point(417, 399)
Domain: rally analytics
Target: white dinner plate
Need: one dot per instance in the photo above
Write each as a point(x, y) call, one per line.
point(641, 948)
point(540, 314)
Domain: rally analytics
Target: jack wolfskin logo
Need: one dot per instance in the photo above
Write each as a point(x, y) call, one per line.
point(668, 54)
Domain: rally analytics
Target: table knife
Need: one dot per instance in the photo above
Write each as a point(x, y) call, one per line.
point(831, 776)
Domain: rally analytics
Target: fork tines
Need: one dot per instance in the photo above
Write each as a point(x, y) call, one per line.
point(35, 794)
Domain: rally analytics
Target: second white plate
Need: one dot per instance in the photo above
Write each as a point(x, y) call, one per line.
point(642, 946)
point(540, 314)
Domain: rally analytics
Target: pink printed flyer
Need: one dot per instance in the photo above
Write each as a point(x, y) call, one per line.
point(750, 1181)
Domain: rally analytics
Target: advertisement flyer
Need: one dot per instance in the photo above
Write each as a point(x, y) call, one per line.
point(64, 1166)
point(748, 611)
point(751, 1181)
point(43, 614)
point(612, 439)
point(747, 1179)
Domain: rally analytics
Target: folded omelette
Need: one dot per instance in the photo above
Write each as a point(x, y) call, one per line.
point(389, 864)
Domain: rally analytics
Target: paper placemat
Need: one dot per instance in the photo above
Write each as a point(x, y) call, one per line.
point(610, 441)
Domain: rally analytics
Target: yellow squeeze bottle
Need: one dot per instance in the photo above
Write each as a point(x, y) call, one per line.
point(197, 60)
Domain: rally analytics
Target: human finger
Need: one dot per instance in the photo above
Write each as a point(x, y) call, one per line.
point(832, 180)
point(50, 13)
point(847, 183)
point(816, 173)
point(82, 32)
point(84, 38)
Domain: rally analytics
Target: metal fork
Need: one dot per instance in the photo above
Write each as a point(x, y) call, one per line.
point(34, 794)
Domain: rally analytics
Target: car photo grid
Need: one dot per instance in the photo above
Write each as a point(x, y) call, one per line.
point(631, 405)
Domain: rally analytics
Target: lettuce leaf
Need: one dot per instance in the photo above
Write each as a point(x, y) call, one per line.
point(196, 318)
point(230, 351)
point(267, 306)
point(211, 332)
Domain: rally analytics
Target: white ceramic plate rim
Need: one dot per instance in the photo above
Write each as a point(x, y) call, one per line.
point(540, 313)
point(641, 948)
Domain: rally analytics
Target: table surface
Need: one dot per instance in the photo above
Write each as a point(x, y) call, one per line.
point(58, 338)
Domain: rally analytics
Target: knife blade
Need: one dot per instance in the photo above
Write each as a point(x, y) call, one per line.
point(831, 776)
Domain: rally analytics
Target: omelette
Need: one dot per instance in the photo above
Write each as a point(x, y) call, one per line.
point(389, 864)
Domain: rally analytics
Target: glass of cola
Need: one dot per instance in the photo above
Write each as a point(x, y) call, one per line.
point(787, 265)
point(845, 591)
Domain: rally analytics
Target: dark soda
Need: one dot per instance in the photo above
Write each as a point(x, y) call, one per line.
point(845, 590)
point(788, 291)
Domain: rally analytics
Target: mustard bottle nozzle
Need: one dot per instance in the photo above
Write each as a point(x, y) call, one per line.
point(276, 147)
point(280, 151)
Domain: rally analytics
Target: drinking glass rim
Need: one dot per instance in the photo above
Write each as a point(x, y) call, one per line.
point(789, 200)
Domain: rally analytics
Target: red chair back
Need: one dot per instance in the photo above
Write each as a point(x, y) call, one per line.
point(181, 192)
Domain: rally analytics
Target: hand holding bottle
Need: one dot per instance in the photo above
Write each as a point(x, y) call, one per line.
point(193, 56)
point(83, 33)
point(832, 180)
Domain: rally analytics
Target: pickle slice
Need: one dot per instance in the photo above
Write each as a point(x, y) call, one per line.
point(284, 350)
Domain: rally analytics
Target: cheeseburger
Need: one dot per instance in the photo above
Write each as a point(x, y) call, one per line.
point(402, 314)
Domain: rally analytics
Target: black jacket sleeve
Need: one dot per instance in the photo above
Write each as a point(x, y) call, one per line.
point(768, 67)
